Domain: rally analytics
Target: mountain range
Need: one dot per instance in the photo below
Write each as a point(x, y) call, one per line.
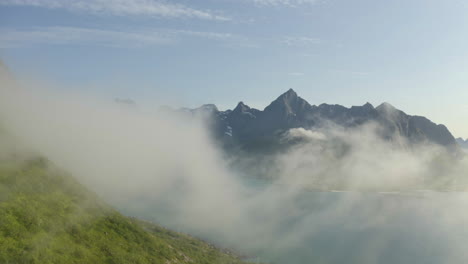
point(252, 128)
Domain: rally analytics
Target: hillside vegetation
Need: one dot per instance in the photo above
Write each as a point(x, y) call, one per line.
point(48, 217)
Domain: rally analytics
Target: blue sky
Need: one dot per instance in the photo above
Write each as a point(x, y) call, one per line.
point(411, 53)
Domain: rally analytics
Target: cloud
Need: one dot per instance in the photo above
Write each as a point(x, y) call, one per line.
point(122, 8)
point(98, 37)
point(204, 34)
point(358, 158)
point(82, 36)
point(290, 3)
point(300, 41)
point(304, 133)
point(150, 164)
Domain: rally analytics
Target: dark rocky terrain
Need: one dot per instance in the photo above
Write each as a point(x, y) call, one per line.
point(254, 129)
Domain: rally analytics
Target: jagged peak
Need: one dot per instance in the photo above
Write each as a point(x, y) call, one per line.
point(241, 107)
point(288, 103)
point(368, 105)
point(289, 94)
point(287, 97)
point(386, 106)
point(290, 90)
point(241, 104)
point(389, 111)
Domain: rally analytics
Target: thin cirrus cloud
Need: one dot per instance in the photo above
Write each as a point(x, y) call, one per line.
point(290, 3)
point(12, 38)
point(300, 41)
point(156, 8)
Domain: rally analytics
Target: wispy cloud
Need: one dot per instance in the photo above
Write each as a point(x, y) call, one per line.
point(300, 41)
point(81, 36)
point(290, 3)
point(98, 37)
point(204, 34)
point(157, 8)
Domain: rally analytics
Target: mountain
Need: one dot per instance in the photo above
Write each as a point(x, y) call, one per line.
point(48, 217)
point(463, 143)
point(252, 128)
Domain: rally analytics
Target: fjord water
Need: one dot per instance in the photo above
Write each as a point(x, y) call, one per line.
point(335, 227)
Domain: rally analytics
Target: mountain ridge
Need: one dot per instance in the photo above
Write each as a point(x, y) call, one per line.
point(245, 125)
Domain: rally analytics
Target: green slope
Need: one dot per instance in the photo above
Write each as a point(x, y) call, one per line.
point(47, 217)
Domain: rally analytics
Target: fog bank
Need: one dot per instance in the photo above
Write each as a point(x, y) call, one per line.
point(165, 167)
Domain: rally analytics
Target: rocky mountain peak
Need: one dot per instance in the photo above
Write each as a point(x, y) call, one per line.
point(241, 107)
point(289, 103)
point(290, 93)
point(368, 106)
point(247, 125)
point(386, 107)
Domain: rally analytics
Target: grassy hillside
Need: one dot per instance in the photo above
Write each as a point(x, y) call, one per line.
point(47, 217)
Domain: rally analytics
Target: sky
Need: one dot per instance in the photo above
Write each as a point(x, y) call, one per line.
point(410, 53)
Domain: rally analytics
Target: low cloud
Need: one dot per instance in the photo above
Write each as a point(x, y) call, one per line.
point(359, 159)
point(166, 168)
point(304, 133)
